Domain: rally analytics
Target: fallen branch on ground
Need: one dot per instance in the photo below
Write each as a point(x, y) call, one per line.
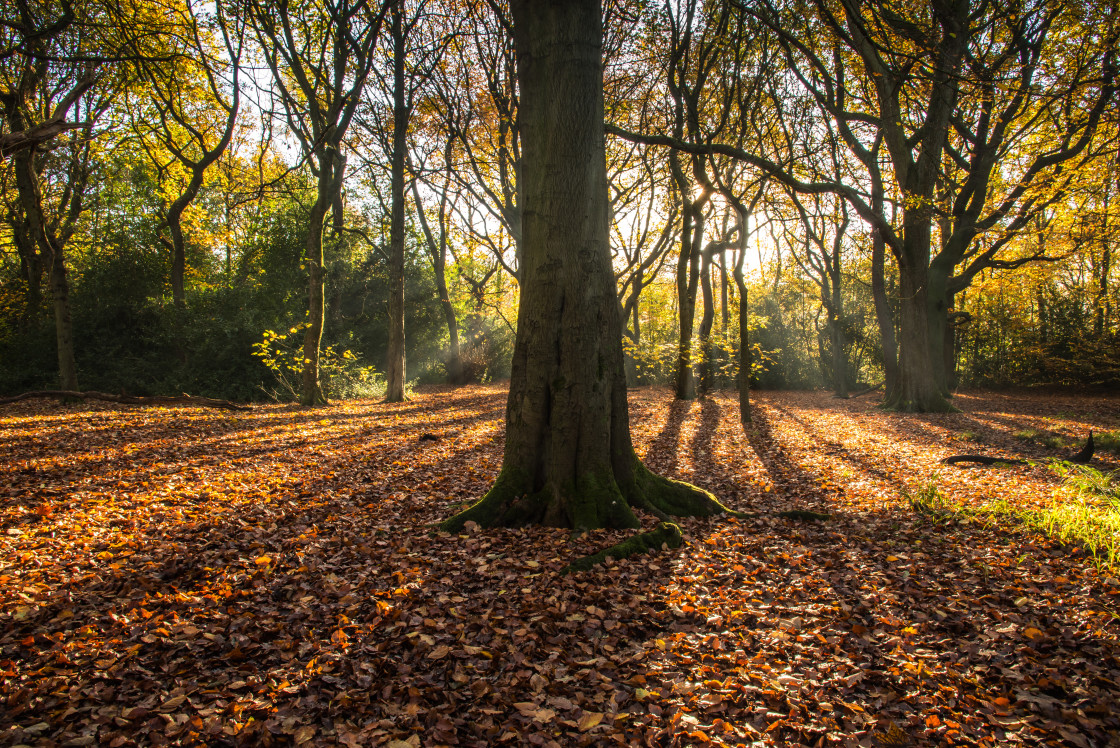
point(204, 402)
point(1083, 457)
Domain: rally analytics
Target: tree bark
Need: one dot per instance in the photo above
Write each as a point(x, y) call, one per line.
point(743, 379)
point(51, 248)
point(63, 326)
point(688, 277)
point(311, 392)
point(25, 231)
point(569, 460)
point(883, 315)
point(920, 383)
point(395, 368)
point(707, 319)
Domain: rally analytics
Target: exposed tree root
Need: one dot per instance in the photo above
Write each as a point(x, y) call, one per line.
point(204, 402)
point(863, 392)
point(665, 535)
point(598, 500)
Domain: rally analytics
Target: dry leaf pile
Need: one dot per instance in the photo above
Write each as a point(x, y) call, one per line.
point(273, 577)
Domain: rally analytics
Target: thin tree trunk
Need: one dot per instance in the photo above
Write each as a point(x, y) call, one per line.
point(838, 339)
point(707, 319)
point(688, 277)
point(311, 392)
point(395, 368)
point(743, 380)
point(454, 357)
point(63, 327)
point(884, 316)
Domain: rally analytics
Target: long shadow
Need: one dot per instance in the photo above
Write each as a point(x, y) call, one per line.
point(95, 450)
point(784, 472)
point(710, 472)
point(331, 626)
point(665, 445)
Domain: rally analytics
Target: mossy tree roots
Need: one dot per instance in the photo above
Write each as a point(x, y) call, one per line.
point(594, 500)
point(665, 535)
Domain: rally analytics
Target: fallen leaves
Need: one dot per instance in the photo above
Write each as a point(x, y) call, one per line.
point(273, 577)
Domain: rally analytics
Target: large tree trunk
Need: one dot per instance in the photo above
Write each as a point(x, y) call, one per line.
point(51, 248)
point(569, 460)
point(395, 367)
point(920, 384)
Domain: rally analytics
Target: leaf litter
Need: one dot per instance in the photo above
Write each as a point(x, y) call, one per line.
point(183, 576)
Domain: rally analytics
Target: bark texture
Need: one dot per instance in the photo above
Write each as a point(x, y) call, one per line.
point(395, 366)
point(569, 460)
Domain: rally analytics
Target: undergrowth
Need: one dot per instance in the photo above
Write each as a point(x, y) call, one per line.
point(1086, 511)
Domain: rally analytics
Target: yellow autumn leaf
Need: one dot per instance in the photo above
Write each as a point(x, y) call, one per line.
point(589, 720)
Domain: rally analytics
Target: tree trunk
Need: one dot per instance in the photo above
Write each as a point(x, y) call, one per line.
point(52, 249)
point(25, 232)
point(454, 356)
point(64, 331)
point(743, 380)
point(311, 393)
point(329, 183)
point(395, 368)
point(836, 320)
point(175, 221)
point(569, 460)
point(688, 277)
point(883, 316)
point(920, 384)
point(707, 319)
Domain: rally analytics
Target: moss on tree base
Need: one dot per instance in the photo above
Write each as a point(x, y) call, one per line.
point(665, 497)
point(593, 502)
point(596, 500)
point(929, 404)
point(665, 535)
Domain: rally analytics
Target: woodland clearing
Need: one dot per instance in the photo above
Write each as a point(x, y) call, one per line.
point(192, 576)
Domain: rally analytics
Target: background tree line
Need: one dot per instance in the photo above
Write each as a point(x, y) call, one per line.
point(320, 198)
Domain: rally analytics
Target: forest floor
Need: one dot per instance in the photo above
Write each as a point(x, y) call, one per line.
point(191, 576)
